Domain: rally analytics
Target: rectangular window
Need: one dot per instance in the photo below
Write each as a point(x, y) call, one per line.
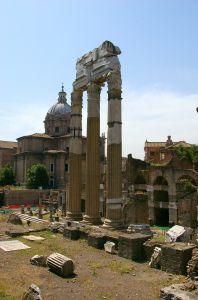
point(52, 167)
point(162, 156)
point(66, 167)
point(56, 129)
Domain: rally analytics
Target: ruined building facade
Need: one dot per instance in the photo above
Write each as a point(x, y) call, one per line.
point(161, 193)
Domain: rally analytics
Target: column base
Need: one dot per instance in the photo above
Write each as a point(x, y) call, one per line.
point(92, 220)
point(73, 216)
point(113, 224)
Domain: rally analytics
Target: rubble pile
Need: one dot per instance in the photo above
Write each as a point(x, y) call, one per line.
point(192, 267)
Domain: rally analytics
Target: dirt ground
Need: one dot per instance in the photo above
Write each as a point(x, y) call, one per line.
point(98, 275)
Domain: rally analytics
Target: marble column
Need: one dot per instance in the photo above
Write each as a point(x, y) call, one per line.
point(93, 156)
point(75, 158)
point(114, 216)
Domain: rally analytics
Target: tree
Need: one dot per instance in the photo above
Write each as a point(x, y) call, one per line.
point(7, 175)
point(37, 176)
point(190, 153)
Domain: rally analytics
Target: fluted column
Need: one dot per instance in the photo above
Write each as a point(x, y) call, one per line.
point(114, 216)
point(75, 158)
point(93, 155)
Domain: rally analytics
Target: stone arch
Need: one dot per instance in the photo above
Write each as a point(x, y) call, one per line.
point(193, 176)
point(185, 184)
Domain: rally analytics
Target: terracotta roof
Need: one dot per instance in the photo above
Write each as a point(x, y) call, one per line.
point(163, 144)
point(8, 144)
point(155, 144)
point(37, 135)
point(180, 143)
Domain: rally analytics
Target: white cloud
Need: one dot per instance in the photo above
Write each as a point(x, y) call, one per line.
point(153, 114)
point(149, 114)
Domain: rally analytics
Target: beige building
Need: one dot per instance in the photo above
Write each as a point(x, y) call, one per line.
point(7, 150)
point(50, 148)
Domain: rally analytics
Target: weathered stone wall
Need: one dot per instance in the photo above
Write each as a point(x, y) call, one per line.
point(22, 197)
point(136, 211)
point(187, 210)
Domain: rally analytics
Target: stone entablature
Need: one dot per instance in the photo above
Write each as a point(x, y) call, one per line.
point(95, 65)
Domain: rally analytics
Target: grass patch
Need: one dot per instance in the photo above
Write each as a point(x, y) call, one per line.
point(159, 238)
point(94, 266)
point(120, 267)
point(3, 218)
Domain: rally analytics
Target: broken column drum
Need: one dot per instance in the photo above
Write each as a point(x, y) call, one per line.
point(93, 69)
point(60, 264)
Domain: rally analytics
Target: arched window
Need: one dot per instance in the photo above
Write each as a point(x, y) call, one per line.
point(186, 184)
point(160, 180)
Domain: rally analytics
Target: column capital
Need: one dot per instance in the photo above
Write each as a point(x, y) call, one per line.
point(93, 90)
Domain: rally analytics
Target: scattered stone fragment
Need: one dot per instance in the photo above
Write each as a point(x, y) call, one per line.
point(14, 219)
point(39, 260)
point(192, 267)
point(149, 247)
point(33, 238)
point(33, 293)
point(60, 264)
point(110, 247)
point(155, 258)
point(139, 228)
point(12, 245)
point(176, 292)
point(56, 227)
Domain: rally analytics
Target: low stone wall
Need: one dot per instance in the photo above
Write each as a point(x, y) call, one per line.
point(22, 197)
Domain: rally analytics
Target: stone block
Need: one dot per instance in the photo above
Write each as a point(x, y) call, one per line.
point(96, 240)
point(39, 260)
point(175, 257)
point(110, 247)
point(71, 233)
point(131, 246)
point(113, 239)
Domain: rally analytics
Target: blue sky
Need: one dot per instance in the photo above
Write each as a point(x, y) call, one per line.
point(40, 41)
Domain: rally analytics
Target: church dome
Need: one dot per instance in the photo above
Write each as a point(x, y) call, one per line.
point(61, 107)
point(57, 120)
